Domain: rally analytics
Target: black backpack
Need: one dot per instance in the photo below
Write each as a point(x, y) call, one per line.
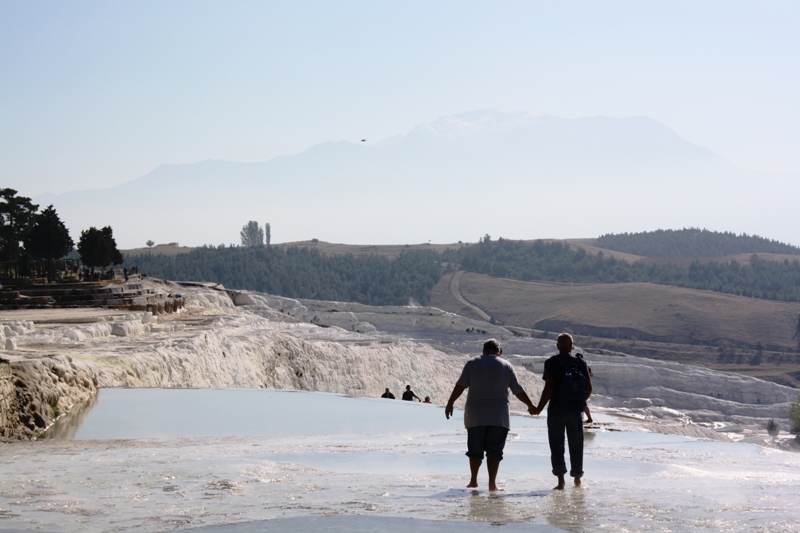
point(571, 393)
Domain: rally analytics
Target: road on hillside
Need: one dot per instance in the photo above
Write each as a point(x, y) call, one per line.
point(455, 292)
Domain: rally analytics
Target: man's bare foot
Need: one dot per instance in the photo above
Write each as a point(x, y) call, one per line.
point(495, 488)
point(473, 484)
point(577, 481)
point(561, 482)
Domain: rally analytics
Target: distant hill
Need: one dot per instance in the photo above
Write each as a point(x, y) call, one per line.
point(315, 268)
point(172, 249)
point(565, 262)
point(631, 310)
point(730, 333)
point(512, 174)
point(691, 242)
point(670, 308)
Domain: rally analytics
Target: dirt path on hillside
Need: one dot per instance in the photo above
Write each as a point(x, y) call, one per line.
point(455, 292)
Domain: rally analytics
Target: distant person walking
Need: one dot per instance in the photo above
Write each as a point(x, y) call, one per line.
point(388, 394)
point(486, 415)
point(567, 386)
point(409, 395)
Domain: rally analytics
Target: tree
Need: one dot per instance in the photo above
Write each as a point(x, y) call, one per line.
point(794, 416)
point(98, 248)
point(797, 332)
point(16, 217)
point(252, 234)
point(48, 238)
point(757, 358)
point(268, 233)
point(150, 243)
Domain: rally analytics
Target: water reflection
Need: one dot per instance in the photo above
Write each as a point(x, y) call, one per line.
point(490, 508)
point(176, 413)
point(67, 426)
point(567, 509)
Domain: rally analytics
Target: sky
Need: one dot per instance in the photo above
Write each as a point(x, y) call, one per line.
point(98, 93)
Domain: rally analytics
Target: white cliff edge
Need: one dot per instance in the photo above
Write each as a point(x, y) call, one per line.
point(55, 360)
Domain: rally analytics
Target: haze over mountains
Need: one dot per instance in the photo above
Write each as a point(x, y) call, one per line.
point(511, 174)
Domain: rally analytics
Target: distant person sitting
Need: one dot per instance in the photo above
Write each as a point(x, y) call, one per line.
point(427, 399)
point(388, 394)
point(409, 395)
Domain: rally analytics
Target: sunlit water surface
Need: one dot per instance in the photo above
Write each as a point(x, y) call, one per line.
point(264, 460)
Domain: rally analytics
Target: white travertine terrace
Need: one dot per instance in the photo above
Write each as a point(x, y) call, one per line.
point(243, 339)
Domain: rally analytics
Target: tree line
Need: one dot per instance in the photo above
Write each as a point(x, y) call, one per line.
point(27, 235)
point(306, 273)
point(691, 242)
point(556, 261)
point(31, 241)
point(298, 272)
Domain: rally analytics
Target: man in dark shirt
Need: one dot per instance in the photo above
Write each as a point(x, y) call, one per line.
point(409, 395)
point(561, 419)
point(388, 394)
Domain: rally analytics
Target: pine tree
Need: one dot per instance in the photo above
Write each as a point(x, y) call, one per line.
point(16, 217)
point(48, 238)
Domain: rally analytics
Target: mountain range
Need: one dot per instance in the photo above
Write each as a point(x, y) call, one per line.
point(512, 174)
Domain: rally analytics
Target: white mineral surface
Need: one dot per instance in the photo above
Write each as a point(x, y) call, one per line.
point(251, 340)
point(656, 461)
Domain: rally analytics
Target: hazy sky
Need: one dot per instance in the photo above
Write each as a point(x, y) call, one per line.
point(93, 94)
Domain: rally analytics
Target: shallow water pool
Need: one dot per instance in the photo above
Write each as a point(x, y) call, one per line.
point(159, 460)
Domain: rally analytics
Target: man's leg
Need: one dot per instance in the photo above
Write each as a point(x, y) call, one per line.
point(555, 437)
point(474, 467)
point(575, 440)
point(475, 443)
point(495, 444)
point(492, 465)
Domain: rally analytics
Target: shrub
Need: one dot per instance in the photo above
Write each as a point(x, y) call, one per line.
point(772, 428)
point(794, 417)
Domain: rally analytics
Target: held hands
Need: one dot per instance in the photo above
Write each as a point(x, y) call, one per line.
point(533, 410)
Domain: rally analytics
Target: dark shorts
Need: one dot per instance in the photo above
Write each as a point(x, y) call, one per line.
point(486, 439)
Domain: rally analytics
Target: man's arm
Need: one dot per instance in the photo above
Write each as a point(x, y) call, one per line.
point(546, 394)
point(457, 390)
point(588, 387)
point(523, 397)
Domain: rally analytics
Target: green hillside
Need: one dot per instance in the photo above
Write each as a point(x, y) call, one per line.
point(691, 242)
point(371, 277)
point(299, 272)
